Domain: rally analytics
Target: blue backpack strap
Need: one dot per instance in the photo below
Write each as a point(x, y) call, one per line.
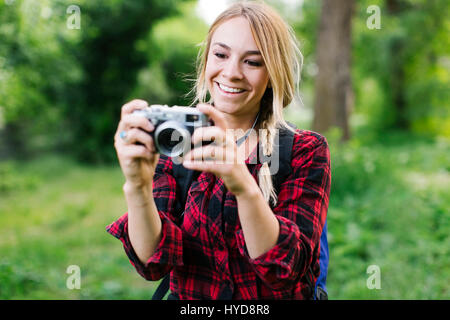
point(324, 257)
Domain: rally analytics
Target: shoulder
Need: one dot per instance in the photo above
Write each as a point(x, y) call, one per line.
point(308, 139)
point(309, 146)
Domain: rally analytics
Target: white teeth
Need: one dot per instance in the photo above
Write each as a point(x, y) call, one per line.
point(228, 89)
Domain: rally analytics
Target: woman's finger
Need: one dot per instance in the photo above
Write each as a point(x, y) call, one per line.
point(213, 114)
point(134, 121)
point(205, 134)
point(135, 104)
point(207, 166)
point(207, 153)
point(135, 151)
point(137, 136)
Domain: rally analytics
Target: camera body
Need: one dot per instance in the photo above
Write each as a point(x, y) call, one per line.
point(174, 127)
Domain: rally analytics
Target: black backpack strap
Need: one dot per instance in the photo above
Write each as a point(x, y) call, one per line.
point(183, 178)
point(162, 289)
point(285, 144)
point(280, 160)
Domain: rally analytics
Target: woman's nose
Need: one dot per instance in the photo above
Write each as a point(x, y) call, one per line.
point(232, 69)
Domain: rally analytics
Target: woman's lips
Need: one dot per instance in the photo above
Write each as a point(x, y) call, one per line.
point(229, 90)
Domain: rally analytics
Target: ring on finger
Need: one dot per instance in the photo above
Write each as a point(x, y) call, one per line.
point(123, 135)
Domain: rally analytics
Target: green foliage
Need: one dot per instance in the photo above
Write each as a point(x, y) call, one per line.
point(110, 60)
point(11, 181)
point(306, 32)
point(16, 281)
point(401, 71)
point(389, 207)
point(62, 223)
point(173, 48)
point(62, 89)
point(62, 86)
point(34, 73)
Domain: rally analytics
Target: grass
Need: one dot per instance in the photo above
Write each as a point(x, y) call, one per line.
point(54, 215)
point(389, 207)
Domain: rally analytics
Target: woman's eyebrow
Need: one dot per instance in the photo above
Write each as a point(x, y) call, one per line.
point(249, 52)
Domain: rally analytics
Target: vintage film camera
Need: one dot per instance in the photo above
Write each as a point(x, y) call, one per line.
point(173, 127)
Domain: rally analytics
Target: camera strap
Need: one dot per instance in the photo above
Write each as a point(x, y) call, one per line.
point(244, 137)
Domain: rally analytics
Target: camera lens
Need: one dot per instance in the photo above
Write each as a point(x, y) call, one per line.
point(172, 139)
point(169, 138)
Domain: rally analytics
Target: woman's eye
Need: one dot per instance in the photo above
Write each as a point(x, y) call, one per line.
point(219, 55)
point(253, 63)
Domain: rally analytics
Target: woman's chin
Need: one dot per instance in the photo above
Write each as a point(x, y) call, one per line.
point(226, 107)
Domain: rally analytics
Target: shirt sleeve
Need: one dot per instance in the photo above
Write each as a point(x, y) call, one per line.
point(169, 252)
point(301, 212)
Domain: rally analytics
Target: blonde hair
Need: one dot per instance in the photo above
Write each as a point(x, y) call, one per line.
point(283, 60)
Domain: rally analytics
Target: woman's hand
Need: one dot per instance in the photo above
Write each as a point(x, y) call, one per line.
point(137, 161)
point(220, 157)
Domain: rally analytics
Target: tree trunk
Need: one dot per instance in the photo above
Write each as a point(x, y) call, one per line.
point(396, 83)
point(333, 93)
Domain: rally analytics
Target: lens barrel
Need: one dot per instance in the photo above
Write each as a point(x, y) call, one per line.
point(172, 139)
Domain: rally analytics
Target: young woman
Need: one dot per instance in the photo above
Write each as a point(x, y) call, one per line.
point(236, 238)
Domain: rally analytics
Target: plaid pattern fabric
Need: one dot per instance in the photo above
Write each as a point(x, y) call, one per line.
point(205, 249)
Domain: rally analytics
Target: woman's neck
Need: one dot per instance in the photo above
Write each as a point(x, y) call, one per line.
point(240, 124)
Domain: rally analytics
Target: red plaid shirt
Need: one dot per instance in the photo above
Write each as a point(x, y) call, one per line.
point(205, 250)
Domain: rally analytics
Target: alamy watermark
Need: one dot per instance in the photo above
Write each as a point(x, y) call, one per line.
point(374, 280)
point(74, 279)
point(74, 20)
point(374, 20)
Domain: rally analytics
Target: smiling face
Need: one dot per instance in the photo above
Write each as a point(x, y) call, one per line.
point(235, 72)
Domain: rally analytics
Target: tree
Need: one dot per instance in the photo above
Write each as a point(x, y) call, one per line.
point(169, 79)
point(62, 86)
point(34, 73)
point(110, 58)
point(333, 91)
point(401, 71)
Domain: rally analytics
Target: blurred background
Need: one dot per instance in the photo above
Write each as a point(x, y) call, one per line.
point(375, 82)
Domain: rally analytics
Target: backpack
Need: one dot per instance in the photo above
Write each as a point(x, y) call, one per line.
point(184, 178)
